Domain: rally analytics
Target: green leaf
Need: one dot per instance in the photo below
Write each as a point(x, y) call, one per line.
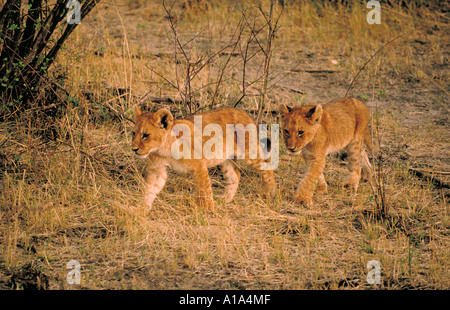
point(13, 27)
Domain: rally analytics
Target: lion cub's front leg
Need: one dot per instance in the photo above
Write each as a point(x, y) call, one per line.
point(155, 180)
point(231, 175)
point(321, 185)
point(314, 174)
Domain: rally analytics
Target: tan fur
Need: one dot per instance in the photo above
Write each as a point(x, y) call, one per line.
point(157, 147)
point(316, 131)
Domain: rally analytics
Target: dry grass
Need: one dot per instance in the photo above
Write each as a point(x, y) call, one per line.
point(77, 195)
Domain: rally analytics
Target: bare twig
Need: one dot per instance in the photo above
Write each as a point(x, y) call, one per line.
point(268, 55)
point(371, 57)
point(222, 71)
point(246, 58)
point(186, 94)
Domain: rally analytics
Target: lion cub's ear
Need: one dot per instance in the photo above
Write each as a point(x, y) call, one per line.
point(136, 111)
point(314, 114)
point(284, 109)
point(164, 118)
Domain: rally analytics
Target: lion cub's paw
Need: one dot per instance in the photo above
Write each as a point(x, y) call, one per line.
point(227, 197)
point(206, 204)
point(322, 188)
point(351, 185)
point(269, 191)
point(352, 182)
point(306, 201)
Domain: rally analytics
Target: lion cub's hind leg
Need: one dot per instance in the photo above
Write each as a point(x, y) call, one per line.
point(268, 183)
point(231, 175)
point(269, 186)
point(366, 172)
point(204, 189)
point(354, 154)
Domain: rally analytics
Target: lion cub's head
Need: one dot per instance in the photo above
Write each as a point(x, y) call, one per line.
point(299, 125)
point(151, 131)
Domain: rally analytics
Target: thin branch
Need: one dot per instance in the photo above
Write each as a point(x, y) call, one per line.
point(270, 38)
point(371, 57)
point(219, 82)
point(162, 76)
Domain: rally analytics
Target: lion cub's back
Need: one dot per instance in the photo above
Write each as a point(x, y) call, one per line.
point(223, 117)
point(346, 109)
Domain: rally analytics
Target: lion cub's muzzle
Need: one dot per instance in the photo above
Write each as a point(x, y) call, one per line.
point(294, 150)
point(139, 154)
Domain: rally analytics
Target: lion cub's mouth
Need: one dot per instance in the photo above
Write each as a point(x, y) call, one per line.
point(153, 150)
point(294, 151)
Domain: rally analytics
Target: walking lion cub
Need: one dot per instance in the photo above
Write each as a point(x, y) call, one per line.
point(316, 131)
point(169, 143)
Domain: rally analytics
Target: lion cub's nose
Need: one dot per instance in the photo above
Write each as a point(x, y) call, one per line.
point(135, 149)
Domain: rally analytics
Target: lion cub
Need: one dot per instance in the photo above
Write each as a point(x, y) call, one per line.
point(315, 132)
point(169, 143)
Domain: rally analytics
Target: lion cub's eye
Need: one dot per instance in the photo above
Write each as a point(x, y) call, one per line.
point(286, 132)
point(145, 135)
point(300, 133)
point(133, 133)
